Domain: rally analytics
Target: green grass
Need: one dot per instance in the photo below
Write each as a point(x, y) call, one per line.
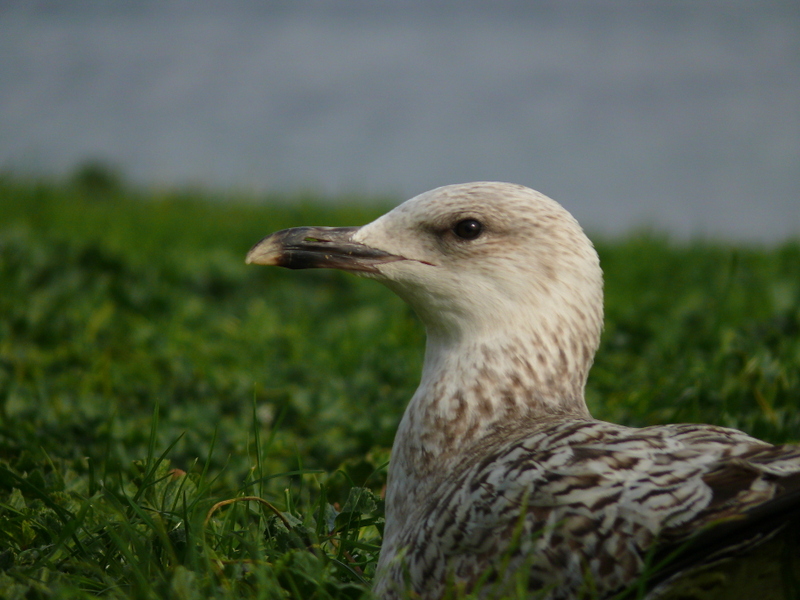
point(147, 374)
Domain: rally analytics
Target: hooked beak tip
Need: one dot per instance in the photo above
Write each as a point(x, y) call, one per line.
point(266, 252)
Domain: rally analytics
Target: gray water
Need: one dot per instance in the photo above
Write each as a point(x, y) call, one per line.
point(682, 116)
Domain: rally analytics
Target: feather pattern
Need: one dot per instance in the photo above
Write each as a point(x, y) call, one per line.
point(579, 503)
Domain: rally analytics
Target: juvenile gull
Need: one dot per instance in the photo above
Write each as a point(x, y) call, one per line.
point(500, 480)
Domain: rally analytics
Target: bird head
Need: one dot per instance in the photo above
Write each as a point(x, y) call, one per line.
point(473, 260)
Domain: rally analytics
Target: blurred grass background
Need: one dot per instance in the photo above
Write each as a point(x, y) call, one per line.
point(146, 373)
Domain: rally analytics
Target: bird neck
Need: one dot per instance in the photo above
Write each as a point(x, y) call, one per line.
point(470, 387)
point(474, 387)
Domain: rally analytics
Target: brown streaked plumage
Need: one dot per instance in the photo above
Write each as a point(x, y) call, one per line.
point(500, 480)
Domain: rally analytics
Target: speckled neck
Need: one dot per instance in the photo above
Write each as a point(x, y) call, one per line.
point(478, 388)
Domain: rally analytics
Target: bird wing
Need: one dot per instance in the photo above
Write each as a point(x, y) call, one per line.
point(576, 506)
point(750, 551)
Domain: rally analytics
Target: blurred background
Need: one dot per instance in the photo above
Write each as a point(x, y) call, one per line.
point(681, 116)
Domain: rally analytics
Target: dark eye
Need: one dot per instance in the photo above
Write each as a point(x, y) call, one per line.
point(468, 229)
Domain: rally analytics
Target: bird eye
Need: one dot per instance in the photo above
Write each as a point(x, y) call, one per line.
point(468, 229)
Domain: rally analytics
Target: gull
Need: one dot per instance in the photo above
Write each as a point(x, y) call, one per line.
point(501, 484)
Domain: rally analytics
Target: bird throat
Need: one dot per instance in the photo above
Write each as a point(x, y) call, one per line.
point(473, 395)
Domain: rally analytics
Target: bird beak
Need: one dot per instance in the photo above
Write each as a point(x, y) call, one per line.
point(318, 248)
